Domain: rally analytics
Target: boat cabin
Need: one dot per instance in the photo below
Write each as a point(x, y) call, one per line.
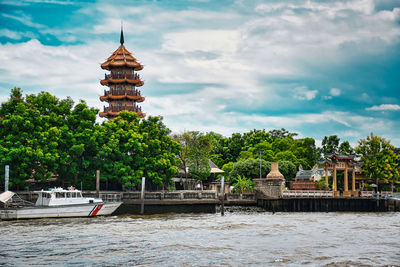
point(61, 197)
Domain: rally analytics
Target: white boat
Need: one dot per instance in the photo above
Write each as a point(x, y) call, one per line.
point(57, 202)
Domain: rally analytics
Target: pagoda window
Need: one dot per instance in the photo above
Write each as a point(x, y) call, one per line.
point(119, 105)
point(119, 87)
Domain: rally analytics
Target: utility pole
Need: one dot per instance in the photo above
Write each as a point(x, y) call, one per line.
point(223, 195)
point(142, 196)
point(97, 183)
point(260, 152)
point(7, 178)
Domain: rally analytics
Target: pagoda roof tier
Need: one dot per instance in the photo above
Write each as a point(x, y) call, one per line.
point(121, 58)
point(108, 82)
point(136, 98)
point(111, 114)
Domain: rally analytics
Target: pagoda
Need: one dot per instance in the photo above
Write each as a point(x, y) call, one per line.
point(122, 82)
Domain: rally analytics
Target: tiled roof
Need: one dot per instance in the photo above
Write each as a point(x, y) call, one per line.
point(121, 58)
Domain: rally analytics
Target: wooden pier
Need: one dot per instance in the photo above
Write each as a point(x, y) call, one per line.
point(206, 201)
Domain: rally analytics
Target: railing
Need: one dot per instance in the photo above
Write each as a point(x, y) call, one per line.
point(116, 197)
point(121, 108)
point(367, 194)
point(129, 76)
point(307, 193)
point(130, 92)
point(171, 195)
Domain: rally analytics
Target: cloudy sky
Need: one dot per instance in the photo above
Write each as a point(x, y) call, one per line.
point(313, 67)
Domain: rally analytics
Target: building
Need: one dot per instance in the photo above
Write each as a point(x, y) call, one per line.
point(122, 82)
point(345, 163)
point(307, 179)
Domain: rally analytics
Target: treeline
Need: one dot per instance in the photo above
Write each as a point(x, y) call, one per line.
point(42, 137)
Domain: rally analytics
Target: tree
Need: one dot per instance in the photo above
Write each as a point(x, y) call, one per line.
point(345, 148)
point(133, 148)
point(380, 161)
point(288, 170)
point(281, 134)
point(184, 139)
point(200, 148)
point(227, 168)
point(250, 168)
point(330, 144)
point(241, 184)
point(30, 133)
point(159, 156)
point(78, 147)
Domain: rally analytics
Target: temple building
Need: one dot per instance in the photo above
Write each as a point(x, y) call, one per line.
point(341, 162)
point(122, 82)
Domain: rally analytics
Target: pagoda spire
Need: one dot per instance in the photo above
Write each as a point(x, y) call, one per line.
point(121, 39)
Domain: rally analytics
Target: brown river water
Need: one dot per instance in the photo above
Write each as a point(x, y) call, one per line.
point(237, 239)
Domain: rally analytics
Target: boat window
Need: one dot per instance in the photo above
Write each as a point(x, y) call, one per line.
point(60, 195)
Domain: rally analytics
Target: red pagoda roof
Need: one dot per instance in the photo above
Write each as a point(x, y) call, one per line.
point(121, 58)
point(112, 114)
point(107, 98)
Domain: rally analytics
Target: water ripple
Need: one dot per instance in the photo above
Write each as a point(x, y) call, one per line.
point(237, 239)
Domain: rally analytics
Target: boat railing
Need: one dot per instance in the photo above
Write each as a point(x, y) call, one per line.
point(110, 197)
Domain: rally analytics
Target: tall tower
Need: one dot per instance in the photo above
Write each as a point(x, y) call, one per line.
point(122, 83)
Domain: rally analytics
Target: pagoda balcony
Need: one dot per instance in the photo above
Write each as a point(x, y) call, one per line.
point(119, 76)
point(122, 92)
point(121, 108)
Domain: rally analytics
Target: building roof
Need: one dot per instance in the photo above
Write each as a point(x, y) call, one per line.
point(214, 168)
point(121, 58)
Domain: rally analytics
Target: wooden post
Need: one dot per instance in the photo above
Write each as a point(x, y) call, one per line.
point(346, 177)
point(98, 183)
point(142, 196)
point(326, 175)
point(353, 181)
point(7, 178)
point(223, 195)
point(334, 182)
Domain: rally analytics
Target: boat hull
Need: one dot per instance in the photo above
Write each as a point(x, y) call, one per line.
point(84, 210)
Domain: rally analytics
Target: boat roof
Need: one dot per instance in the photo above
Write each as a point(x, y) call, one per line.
point(6, 196)
point(58, 190)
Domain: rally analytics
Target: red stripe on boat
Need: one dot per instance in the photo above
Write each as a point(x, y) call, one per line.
point(96, 210)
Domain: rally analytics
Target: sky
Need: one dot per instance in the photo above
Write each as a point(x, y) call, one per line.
point(317, 68)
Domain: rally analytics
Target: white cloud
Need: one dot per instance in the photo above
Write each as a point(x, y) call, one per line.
point(10, 34)
point(24, 19)
point(384, 107)
point(303, 93)
point(335, 92)
point(222, 41)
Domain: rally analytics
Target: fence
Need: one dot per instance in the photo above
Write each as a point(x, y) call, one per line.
point(171, 195)
point(307, 193)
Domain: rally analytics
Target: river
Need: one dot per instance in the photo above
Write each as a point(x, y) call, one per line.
point(238, 239)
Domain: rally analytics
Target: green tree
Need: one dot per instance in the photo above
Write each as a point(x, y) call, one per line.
point(345, 148)
point(133, 148)
point(200, 148)
point(30, 133)
point(227, 168)
point(288, 169)
point(380, 161)
point(330, 144)
point(241, 184)
point(250, 168)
